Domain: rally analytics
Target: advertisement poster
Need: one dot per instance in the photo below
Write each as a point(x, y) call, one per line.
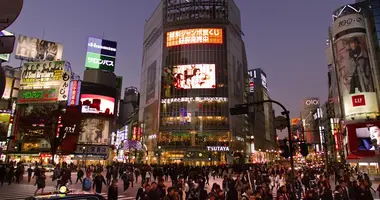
point(97, 104)
point(52, 74)
point(95, 131)
point(196, 76)
point(34, 49)
point(151, 82)
point(354, 71)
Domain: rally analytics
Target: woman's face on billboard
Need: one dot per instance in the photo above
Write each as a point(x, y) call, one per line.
point(374, 133)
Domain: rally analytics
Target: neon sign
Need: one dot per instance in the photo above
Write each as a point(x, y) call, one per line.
point(194, 36)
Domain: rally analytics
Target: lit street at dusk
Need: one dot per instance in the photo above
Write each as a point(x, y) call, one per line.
point(194, 99)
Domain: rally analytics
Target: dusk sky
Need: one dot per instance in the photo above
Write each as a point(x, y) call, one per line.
point(285, 38)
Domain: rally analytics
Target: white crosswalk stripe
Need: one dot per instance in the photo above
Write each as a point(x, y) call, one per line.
point(20, 191)
point(120, 197)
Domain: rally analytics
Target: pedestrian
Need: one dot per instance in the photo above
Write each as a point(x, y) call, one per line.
point(86, 184)
point(2, 173)
point(30, 171)
point(41, 182)
point(126, 181)
point(98, 183)
point(113, 190)
point(80, 175)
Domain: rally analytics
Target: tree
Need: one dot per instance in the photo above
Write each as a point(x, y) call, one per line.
point(50, 122)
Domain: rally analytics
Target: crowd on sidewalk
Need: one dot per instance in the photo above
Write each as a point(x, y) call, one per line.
point(240, 182)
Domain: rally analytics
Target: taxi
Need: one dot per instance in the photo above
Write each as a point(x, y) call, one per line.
point(65, 194)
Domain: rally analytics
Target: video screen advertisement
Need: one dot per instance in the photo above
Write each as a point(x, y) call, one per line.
point(354, 68)
point(52, 78)
point(34, 49)
point(194, 36)
point(97, 104)
point(364, 138)
point(101, 54)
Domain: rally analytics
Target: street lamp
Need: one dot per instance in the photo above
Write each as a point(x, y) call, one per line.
point(83, 156)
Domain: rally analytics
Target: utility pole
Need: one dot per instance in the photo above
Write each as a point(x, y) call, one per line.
point(240, 109)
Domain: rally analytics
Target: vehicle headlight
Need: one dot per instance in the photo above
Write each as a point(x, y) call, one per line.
point(63, 190)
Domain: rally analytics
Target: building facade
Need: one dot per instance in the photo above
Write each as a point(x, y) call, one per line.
point(261, 116)
point(353, 59)
point(193, 71)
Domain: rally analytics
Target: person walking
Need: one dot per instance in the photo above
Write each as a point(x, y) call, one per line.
point(41, 182)
point(98, 183)
point(30, 171)
point(113, 190)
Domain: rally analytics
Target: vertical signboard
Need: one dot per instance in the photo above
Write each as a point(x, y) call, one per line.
point(251, 80)
point(101, 54)
point(355, 76)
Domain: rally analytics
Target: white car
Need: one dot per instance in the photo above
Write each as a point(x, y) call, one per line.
point(48, 167)
point(26, 165)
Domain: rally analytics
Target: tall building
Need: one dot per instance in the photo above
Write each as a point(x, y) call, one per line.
point(193, 71)
point(310, 134)
point(261, 117)
point(130, 104)
point(353, 59)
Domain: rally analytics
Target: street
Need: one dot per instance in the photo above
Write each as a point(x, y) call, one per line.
point(24, 189)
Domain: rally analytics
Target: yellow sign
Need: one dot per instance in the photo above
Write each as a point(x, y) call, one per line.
point(194, 36)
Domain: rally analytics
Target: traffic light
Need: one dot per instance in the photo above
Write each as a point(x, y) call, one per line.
point(240, 110)
point(285, 151)
point(304, 149)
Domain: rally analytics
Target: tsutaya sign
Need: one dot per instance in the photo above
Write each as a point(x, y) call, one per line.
point(217, 148)
point(189, 99)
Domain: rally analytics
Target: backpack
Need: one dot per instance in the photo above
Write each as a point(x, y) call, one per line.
point(87, 184)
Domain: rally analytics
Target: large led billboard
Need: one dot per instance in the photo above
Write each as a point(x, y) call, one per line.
point(97, 104)
point(194, 36)
point(195, 76)
point(34, 49)
point(101, 54)
point(364, 138)
point(5, 57)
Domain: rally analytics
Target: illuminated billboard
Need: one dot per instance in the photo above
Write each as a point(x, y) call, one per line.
point(251, 80)
point(74, 93)
point(194, 36)
point(47, 74)
point(354, 68)
point(38, 95)
point(95, 131)
point(196, 76)
point(97, 104)
point(101, 54)
point(364, 138)
point(34, 49)
point(5, 57)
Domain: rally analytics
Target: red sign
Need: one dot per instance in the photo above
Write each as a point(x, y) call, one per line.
point(358, 100)
point(74, 93)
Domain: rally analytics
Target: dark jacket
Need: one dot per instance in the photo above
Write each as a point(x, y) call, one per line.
point(112, 192)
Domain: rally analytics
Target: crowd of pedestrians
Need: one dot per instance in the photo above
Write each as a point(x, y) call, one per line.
point(179, 182)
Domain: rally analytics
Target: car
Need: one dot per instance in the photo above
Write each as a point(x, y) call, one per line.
point(48, 167)
point(64, 194)
point(26, 165)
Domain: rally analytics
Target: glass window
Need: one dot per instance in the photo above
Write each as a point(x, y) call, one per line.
point(376, 11)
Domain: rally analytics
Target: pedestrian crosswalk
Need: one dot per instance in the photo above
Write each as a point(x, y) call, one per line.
point(20, 191)
point(120, 197)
